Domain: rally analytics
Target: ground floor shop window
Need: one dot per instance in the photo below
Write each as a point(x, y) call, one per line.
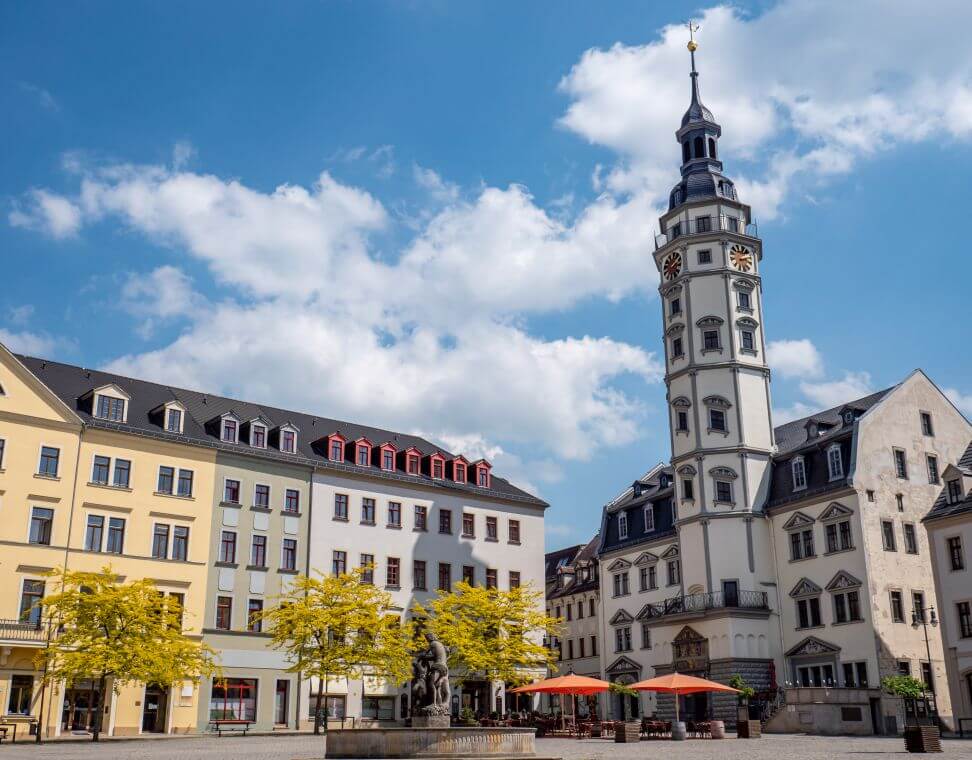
point(380, 708)
point(333, 706)
point(233, 699)
point(21, 691)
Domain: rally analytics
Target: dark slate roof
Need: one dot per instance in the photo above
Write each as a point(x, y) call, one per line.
point(653, 491)
point(559, 558)
point(792, 435)
point(74, 384)
point(696, 112)
point(941, 508)
point(580, 555)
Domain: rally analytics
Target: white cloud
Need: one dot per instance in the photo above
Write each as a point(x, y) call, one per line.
point(164, 294)
point(47, 212)
point(804, 106)
point(33, 343)
point(20, 315)
point(795, 358)
point(824, 395)
point(962, 401)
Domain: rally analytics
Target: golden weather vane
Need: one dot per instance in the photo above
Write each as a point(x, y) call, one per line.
point(692, 44)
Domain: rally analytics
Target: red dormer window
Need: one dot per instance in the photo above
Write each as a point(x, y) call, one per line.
point(413, 464)
point(362, 453)
point(482, 473)
point(459, 469)
point(335, 448)
point(437, 466)
point(412, 461)
point(388, 456)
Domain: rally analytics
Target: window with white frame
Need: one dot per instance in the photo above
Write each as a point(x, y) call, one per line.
point(723, 491)
point(620, 581)
point(110, 408)
point(622, 639)
point(229, 430)
point(622, 525)
point(835, 464)
point(649, 513)
point(258, 436)
point(173, 419)
point(799, 470)
point(288, 441)
point(932, 464)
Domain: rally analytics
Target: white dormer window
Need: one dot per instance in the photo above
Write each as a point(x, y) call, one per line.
point(649, 518)
point(954, 491)
point(799, 468)
point(288, 441)
point(173, 420)
point(835, 465)
point(229, 430)
point(622, 525)
point(258, 436)
point(111, 403)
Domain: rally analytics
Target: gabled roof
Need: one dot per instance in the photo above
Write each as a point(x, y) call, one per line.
point(941, 508)
point(792, 435)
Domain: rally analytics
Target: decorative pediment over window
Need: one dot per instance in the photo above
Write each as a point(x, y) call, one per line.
point(717, 402)
point(710, 321)
point(619, 564)
point(681, 402)
point(747, 322)
point(836, 511)
point(646, 558)
point(843, 580)
point(805, 587)
point(687, 469)
point(671, 553)
point(674, 290)
point(621, 617)
point(741, 283)
point(723, 473)
point(674, 330)
point(798, 521)
point(687, 635)
point(623, 665)
point(812, 645)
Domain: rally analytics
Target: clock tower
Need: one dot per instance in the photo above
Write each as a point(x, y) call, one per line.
point(709, 259)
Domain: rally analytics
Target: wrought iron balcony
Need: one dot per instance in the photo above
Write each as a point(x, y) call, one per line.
point(715, 600)
point(702, 225)
point(20, 630)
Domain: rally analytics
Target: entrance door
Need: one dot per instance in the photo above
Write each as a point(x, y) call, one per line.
point(80, 705)
point(280, 702)
point(153, 710)
point(730, 593)
point(876, 726)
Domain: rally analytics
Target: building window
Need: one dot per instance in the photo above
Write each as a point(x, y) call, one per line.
point(41, 522)
point(514, 531)
point(705, 256)
point(835, 465)
point(918, 604)
point(258, 551)
point(468, 525)
point(743, 300)
point(21, 693)
point(229, 431)
point(956, 556)
point(965, 619)
point(99, 470)
point(367, 565)
point(688, 489)
point(364, 454)
point(378, 708)
point(926, 677)
point(49, 457)
point(932, 462)
point(887, 536)
point(30, 598)
point(747, 341)
point(870, 495)
point(224, 613)
point(899, 500)
point(710, 340)
point(110, 408)
point(674, 572)
point(677, 349)
point(847, 607)
point(799, 470)
point(185, 483)
point(621, 584)
point(910, 538)
point(394, 514)
point(254, 609)
point(339, 562)
point(413, 464)
point(258, 436)
point(801, 544)
point(94, 533)
point(445, 521)
point(703, 224)
point(180, 542)
point(855, 674)
point(387, 459)
point(622, 525)
point(675, 307)
point(3, 445)
point(173, 420)
point(227, 547)
point(469, 575)
point(808, 612)
point(900, 464)
point(421, 517)
point(622, 639)
point(445, 577)
point(116, 535)
point(337, 450)
point(288, 441)
point(717, 421)
point(491, 578)
point(839, 536)
point(954, 490)
point(166, 480)
point(438, 469)
point(482, 477)
point(649, 515)
point(460, 472)
point(926, 424)
point(897, 607)
point(681, 422)
point(904, 667)
point(368, 511)
point(231, 491)
point(340, 506)
point(492, 529)
point(123, 473)
point(515, 583)
point(647, 578)
point(291, 500)
point(261, 496)
point(723, 491)
point(419, 582)
point(392, 572)
point(288, 557)
point(160, 541)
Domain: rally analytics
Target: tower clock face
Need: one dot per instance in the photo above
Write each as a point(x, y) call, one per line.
point(673, 265)
point(741, 258)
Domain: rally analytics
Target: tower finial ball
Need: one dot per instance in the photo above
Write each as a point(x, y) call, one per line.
point(693, 46)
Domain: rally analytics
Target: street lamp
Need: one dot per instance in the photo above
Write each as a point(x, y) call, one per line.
point(918, 619)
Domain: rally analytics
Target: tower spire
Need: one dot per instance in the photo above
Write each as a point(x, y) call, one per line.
point(692, 47)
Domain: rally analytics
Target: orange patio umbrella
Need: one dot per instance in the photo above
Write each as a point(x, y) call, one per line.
point(569, 684)
point(678, 683)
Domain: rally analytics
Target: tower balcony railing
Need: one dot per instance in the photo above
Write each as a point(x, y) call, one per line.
point(23, 630)
point(702, 225)
point(713, 600)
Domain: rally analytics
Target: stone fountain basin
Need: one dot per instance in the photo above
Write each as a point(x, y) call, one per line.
point(439, 743)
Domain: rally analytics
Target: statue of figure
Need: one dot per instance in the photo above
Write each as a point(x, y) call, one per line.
point(430, 679)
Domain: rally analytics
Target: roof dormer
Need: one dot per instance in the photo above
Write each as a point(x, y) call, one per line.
point(285, 436)
point(482, 468)
point(256, 432)
point(361, 451)
point(958, 483)
point(458, 469)
point(110, 403)
point(171, 416)
point(387, 454)
point(336, 447)
point(411, 460)
point(229, 427)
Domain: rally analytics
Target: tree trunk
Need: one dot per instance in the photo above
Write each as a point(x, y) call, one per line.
point(96, 728)
point(317, 710)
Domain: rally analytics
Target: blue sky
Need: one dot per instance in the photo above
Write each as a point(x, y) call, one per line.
point(437, 217)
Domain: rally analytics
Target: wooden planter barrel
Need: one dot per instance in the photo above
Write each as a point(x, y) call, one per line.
point(923, 739)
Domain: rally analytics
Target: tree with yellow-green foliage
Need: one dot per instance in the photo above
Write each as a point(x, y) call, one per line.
point(126, 632)
point(338, 626)
point(493, 634)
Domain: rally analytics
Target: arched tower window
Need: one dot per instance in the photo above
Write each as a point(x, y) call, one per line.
point(699, 147)
point(686, 153)
point(712, 147)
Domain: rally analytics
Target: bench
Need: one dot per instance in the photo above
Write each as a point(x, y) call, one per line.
point(230, 724)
